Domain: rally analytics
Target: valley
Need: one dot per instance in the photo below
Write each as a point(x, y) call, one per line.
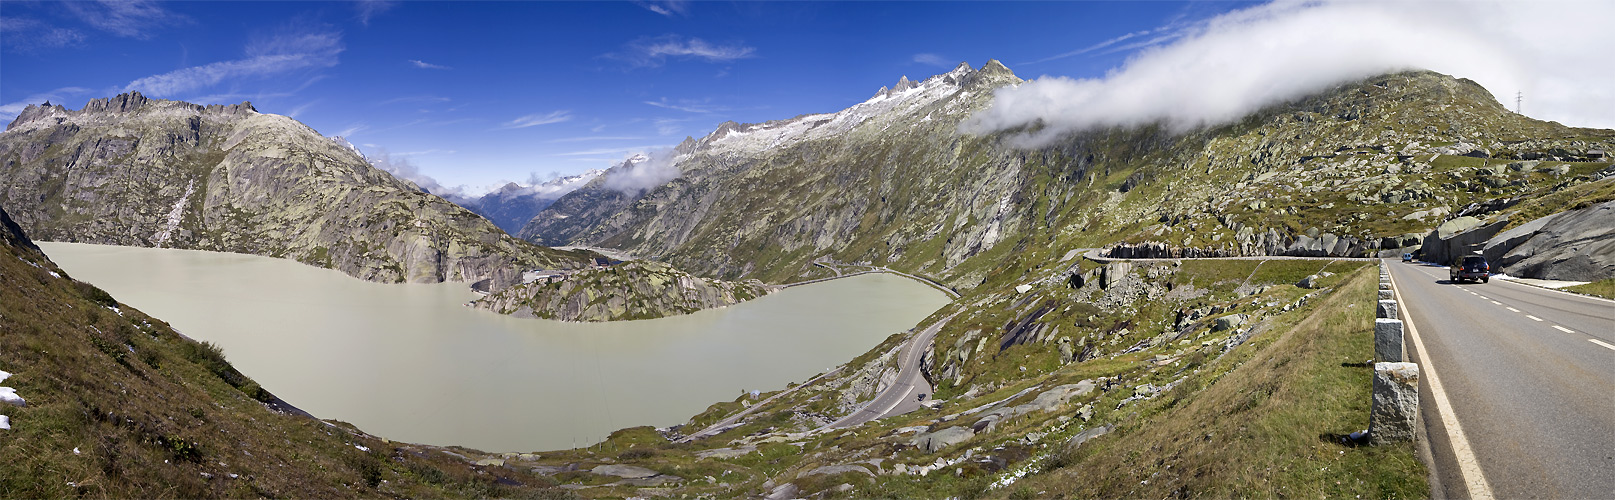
point(913, 296)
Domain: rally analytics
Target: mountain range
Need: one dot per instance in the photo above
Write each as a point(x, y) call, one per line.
point(1362, 167)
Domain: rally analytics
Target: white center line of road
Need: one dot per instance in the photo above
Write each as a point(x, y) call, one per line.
point(1563, 329)
point(1602, 343)
point(1533, 318)
point(1513, 310)
point(1468, 465)
point(1495, 303)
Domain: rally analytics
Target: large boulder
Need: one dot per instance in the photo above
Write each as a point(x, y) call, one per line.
point(932, 442)
point(1578, 245)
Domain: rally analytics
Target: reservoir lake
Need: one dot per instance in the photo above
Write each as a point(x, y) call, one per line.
point(410, 362)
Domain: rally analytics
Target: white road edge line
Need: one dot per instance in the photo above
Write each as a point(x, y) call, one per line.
point(1468, 466)
point(1560, 292)
point(1602, 343)
point(1533, 318)
point(1563, 329)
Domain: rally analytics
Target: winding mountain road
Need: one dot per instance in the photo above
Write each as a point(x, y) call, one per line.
point(903, 395)
point(1524, 406)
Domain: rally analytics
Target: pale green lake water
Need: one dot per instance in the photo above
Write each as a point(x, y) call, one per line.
point(412, 363)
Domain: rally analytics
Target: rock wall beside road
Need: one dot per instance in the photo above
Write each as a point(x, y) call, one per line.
point(1578, 245)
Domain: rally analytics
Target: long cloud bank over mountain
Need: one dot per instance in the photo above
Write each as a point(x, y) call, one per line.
point(1231, 65)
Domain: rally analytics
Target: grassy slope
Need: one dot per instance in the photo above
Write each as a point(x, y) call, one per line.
point(1274, 409)
point(1263, 422)
point(1604, 288)
point(121, 406)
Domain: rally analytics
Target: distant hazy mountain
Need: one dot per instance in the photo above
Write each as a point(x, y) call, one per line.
point(136, 171)
point(512, 205)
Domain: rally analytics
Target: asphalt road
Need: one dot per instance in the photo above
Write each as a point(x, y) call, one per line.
point(903, 395)
point(1529, 374)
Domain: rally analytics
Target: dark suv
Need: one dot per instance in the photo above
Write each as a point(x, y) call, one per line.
point(1470, 268)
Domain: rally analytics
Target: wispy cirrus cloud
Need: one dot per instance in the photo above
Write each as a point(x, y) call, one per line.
point(426, 65)
point(687, 105)
point(595, 138)
point(125, 18)
point(539, 119)
point(22, 34)
point(353, 130)
point(650, 52)
point(669, 8)
point(929, 59)
point(426, 99)
point(367, 9)
point(280, 53)
point(301, 108)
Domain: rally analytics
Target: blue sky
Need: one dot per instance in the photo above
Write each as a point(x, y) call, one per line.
point(477, 93)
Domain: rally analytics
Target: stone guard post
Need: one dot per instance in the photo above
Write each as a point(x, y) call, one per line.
point(1395, 411)
point(1388, 340)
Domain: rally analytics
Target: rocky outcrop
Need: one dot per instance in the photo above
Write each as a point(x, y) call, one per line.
point(632, 290)
point(12, 235)
point(129, 170)
point(933, 442)
point(1577, 245)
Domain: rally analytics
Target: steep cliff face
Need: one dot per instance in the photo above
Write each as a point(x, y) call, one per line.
point(892, 181)
point(633, 290)
point(135, 171)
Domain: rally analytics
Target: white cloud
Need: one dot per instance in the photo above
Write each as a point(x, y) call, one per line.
point(28, 35)
point(540, 119)
point(266, 56)
point(353, 130)
point(654, 51)
point(595, 138)
point(1236, 63)
point(426, 65)
point(668, 126)
point(300, 109)
point(9, 111)
point(424, 99)
point(400, 166)
point(612, 152)
point(635, 177)
point(687, 105)
point(1101, 45)
point(125, 18)
point(669, 8)
point(368, 9)
point(932, 60)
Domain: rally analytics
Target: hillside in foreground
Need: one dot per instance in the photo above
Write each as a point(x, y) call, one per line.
point(119, 405)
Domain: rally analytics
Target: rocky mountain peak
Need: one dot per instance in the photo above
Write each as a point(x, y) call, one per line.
point(121, 104)
point(993, 74)
point(35, 112)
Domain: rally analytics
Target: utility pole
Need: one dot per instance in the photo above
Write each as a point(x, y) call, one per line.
point(1518, 98)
